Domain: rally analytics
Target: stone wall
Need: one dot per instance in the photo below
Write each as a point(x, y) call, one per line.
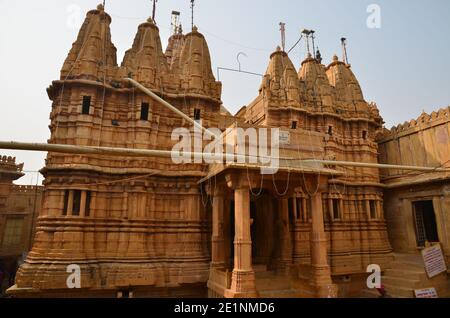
point(421, 142)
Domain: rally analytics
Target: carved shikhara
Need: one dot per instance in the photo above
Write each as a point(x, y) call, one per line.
point(149, 224)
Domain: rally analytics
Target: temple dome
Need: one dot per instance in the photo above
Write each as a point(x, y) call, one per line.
point(146, 60)
point(93, 51)
point(174, 48)
point(344, 81)
point(317, 87)
point(194, 66)
point(281, 80)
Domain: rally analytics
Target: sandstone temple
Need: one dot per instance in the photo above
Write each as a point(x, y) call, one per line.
point(148, 227)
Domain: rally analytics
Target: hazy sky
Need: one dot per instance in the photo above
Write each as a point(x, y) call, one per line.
point(404, 65)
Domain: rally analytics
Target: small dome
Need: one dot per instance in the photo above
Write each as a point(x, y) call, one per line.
point(280, 81)
point(93, 50)
point(344, 81)
point(194, 66)
point(318, 89)
point(145, 60)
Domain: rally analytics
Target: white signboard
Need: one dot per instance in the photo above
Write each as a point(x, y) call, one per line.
point(426, 293)
point(434, 261)
point(285, 138)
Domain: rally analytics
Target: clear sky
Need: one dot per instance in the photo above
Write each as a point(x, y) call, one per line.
point(404, 65)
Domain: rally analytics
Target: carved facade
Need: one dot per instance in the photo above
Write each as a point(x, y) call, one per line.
point(153, 228)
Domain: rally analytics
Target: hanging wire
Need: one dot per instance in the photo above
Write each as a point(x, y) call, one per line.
point(296, 43)
point(261, 187)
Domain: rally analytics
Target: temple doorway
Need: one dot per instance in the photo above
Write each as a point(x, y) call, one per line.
point(264, 231)
point(426, 225)
point(264, 212)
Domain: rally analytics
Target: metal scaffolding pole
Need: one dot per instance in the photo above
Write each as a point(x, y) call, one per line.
point(169, 106)
point(128, 152)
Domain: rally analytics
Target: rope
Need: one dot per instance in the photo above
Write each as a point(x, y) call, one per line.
point(296, 43)
point(104, 82)
point(251, 188)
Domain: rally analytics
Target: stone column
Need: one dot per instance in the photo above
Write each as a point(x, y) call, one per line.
point(83, 204)
point(379, 206)
point(294, 207)
point(243, 278)
point(368, 208)
point(321, 278)
point(285, 238)
point(305, 211)
point(218, 237)
point(70, 203)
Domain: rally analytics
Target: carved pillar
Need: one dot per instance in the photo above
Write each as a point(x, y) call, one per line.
point(305, 211)
point(218, 237)
point(285, 238)
point(243, 278)
point(294, 207)
point(321, 270)
point(83, 204)
point(380, 214)
point(367, 208)
point(70, 203)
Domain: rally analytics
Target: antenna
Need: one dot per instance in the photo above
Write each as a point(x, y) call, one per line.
point(192, 13)
point(344, 50)
point(175, 22)
point(283, 35)
point(313, 42)
point(154, 10)
point(307, 33)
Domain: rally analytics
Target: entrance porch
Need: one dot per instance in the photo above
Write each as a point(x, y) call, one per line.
point(253, 242)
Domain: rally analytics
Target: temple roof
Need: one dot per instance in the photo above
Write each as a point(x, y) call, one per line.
point(93, 51)
point(344, 81)
point(174, 48)
point(318, 89)
point(194, 66)
point(146, 60)
point(281, 80)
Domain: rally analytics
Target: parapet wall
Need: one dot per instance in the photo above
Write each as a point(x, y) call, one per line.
point(421, 142)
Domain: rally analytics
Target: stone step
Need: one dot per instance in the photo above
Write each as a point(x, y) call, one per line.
point(400, 282)
point(369, 293)
point(399, 292)
point(408, 265)
point(406, 273)
point(272, 281)
point(407, 256)
point(272, 284)
point(287, 293)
